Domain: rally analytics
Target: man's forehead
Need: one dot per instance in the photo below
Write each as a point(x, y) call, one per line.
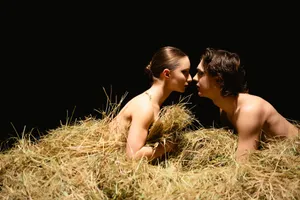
point(200, 66)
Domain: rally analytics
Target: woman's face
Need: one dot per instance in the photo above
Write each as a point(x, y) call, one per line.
point(180, 77)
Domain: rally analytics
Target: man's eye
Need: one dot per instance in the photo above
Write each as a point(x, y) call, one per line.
point(200, 73)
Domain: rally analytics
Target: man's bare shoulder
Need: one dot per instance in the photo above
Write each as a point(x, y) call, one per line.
point(254, 104)
point(254, 111)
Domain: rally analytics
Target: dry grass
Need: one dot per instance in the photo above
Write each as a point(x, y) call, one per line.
point(174, 121)
point(85, 160)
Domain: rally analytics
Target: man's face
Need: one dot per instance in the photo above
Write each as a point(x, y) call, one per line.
point(206, 85)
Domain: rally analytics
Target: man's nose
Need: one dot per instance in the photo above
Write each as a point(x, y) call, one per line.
point(195, 78)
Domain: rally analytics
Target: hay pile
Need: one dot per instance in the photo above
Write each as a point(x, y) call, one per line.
point(173, 121)
point(78, 161)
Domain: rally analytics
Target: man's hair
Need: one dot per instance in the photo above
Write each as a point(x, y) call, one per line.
point(225, 66)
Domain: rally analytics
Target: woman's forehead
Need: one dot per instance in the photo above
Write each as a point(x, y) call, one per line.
point(184, 63)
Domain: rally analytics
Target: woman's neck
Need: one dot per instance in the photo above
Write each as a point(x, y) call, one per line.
point(158, 93)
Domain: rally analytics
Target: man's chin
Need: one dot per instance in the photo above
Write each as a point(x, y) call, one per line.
point(200, 94)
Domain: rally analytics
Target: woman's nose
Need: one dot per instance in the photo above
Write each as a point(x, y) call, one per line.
point(189, 79)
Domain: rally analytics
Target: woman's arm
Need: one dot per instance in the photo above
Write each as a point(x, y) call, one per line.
point(141, 120)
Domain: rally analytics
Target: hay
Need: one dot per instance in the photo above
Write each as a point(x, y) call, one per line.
point(173, 121)
point(207, 148)
point(85, 161)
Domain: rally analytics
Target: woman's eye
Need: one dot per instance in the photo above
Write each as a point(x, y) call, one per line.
point(185, 72)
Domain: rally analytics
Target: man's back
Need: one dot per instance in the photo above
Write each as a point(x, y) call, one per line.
point(273, 123)
point(254, 118)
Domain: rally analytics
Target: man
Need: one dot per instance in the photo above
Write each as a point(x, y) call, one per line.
point(221, 78)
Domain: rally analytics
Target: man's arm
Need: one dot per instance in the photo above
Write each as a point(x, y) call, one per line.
point(249, 126)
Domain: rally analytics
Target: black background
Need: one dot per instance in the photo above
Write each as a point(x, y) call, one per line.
point(58, 58)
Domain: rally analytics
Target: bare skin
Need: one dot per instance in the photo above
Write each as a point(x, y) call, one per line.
point(249, 115)
point(141, 111)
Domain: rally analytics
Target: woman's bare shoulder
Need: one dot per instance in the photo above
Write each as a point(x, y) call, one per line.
point(139, 104)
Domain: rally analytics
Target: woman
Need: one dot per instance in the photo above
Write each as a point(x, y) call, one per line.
point(169, 71)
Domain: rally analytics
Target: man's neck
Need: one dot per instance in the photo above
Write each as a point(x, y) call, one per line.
point(227, 104)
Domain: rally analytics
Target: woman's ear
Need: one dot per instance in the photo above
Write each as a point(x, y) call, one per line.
point(166, 73)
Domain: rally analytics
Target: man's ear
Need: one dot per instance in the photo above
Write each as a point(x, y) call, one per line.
point(219, 80)
point(166, 73)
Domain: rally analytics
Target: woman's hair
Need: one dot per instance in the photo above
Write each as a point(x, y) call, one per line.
point(165, 58)
point(226, 67)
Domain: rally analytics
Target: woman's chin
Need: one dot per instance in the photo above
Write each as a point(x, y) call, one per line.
point(182, 90)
